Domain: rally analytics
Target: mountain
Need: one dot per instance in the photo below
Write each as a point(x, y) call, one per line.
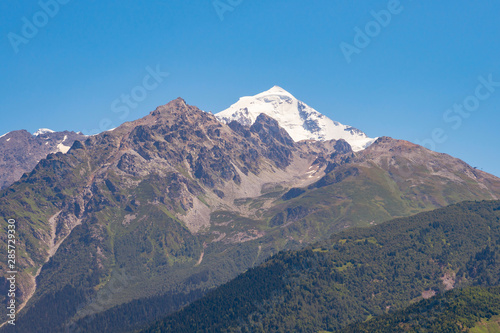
point(20, 151)
point(171, 205)
point(154, 198)
point(300, 120)
point(359, 274)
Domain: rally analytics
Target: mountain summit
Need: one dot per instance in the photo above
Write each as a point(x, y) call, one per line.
point(300, 120)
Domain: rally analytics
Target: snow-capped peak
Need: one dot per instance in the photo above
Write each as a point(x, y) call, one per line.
point(300, 120)
point(43, 131)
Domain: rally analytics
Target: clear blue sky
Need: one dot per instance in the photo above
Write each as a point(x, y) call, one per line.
point(428, 57)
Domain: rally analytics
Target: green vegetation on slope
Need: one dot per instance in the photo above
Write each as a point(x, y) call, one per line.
point(491, 325)
point(354, 195)
point(355, 275)
point(472, 309)
point(31, 202)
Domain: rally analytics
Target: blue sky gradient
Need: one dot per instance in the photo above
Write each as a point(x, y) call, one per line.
point(74, 71)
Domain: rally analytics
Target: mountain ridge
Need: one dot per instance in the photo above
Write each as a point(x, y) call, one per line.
point(20, 151)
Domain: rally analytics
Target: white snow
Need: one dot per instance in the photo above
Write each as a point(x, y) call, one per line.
point(8, 139)
point(1, 136)
point(43, 131)
point(300, 120)
point(62, 148)
point(110, 130)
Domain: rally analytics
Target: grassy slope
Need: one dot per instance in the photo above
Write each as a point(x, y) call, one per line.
point(491, 325)
point(32, 201)
point(366, 196)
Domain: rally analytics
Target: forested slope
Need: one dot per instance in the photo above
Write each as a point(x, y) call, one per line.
point(471, 309)
point(355, 275)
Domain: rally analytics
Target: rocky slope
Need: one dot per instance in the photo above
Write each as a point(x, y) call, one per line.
point(20, 151)
point(179, 202)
